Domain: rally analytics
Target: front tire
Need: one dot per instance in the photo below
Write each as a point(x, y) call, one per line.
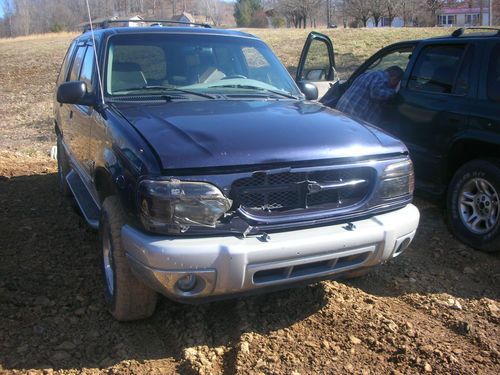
point(127, 298)
point(473, 204)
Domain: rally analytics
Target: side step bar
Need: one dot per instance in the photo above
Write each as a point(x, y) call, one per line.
point(87, 205)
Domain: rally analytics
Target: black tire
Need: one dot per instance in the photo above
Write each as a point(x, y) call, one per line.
point(128, 298)
point(484, 235)
point(63, 169)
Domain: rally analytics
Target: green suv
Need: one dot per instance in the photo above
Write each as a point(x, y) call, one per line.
point(447, 111)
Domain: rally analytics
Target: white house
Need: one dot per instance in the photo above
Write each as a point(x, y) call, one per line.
point(464, 13)
point(184, 17)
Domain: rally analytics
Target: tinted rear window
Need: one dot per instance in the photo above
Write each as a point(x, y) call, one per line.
point(436, 68)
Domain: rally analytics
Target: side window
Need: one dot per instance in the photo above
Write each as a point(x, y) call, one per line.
point(400, 57)
point(88, 68)
point(77, 64)
point(436, 68)
point(494, 74)
point(317, 63)
point(63, 73)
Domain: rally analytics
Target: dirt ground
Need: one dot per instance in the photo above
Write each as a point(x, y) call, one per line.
point(435, 309)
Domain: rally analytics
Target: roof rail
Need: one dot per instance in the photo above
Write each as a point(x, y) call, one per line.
point(461, 31)
point(104, 24)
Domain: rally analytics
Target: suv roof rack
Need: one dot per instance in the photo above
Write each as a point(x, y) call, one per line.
point(461, 31)
point(105, 23)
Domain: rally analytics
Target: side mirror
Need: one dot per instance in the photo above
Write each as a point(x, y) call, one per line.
point(308, 89)
point(74, 92)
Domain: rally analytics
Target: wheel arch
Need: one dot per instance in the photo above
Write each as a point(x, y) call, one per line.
point(104, 184)
point(465, 150)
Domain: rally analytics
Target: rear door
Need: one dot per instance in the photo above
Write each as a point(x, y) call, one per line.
point(83, 116)
point(67, 110)
point(317, 63)
point(78, 118)
point(485, 114)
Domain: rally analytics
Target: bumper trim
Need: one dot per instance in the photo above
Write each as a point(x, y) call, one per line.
point(230, 265)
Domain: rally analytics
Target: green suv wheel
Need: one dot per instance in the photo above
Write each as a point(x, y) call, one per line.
point(473, 204)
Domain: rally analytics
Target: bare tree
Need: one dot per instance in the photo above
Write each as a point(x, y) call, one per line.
point(392, 9)
point(212, 9)
point(358, 9)
point(377, 10)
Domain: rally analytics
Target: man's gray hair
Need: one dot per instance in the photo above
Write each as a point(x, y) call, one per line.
point(395, 71)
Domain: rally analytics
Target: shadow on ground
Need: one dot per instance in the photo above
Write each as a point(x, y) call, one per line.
point(51, 306)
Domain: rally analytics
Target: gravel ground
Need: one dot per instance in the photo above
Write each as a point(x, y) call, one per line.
point(435, 309)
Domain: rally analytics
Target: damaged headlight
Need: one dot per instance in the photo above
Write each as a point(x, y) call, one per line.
point(174, 206)
point(397, 180)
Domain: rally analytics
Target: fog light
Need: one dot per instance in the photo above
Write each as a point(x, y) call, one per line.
point(403, 246)
point(187, 283)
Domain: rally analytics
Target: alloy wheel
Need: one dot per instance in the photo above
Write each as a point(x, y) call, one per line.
point(478, 204)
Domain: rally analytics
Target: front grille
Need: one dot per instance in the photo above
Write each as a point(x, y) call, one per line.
point(329, 189)
point(310, 269)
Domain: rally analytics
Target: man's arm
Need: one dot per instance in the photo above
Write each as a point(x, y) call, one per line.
point(379, 89)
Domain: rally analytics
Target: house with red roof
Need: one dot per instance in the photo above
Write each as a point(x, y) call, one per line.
point(464, 13)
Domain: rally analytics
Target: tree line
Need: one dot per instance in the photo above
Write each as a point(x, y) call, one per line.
point(23, 17)
point(347, 13)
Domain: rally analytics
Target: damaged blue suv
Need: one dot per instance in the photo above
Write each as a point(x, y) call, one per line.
point(210, 173)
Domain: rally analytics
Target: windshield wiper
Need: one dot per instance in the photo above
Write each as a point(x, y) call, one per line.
point(168, 88)
point(251, 87)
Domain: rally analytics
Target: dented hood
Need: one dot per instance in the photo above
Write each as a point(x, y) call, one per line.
point(220, 133)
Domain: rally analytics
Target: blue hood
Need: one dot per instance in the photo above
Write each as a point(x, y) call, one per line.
point(220, 133)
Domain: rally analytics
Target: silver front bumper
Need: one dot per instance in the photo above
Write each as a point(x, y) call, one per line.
point(231, 265)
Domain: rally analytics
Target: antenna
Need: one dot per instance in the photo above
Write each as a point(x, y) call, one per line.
point(95, 53)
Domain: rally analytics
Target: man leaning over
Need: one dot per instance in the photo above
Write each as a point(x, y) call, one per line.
point(363, 99)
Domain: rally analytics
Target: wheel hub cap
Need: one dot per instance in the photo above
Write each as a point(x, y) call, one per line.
point(478, 204)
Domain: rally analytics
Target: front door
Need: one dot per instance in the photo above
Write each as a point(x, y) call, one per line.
point(77, 118)
point(317, 63)
point(399, 55)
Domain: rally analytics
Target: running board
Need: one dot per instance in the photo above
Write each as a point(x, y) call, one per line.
point(87, 205)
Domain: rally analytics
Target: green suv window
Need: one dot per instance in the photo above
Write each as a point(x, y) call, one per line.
point(436, 68)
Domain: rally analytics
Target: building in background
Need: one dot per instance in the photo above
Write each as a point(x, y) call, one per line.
point(464, 13)
point(386, 22)
point(184, 17)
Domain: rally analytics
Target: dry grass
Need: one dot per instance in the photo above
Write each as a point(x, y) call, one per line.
point(43, 37)
point(30, 66)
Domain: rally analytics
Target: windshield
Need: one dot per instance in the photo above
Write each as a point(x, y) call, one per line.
point(194, 64)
